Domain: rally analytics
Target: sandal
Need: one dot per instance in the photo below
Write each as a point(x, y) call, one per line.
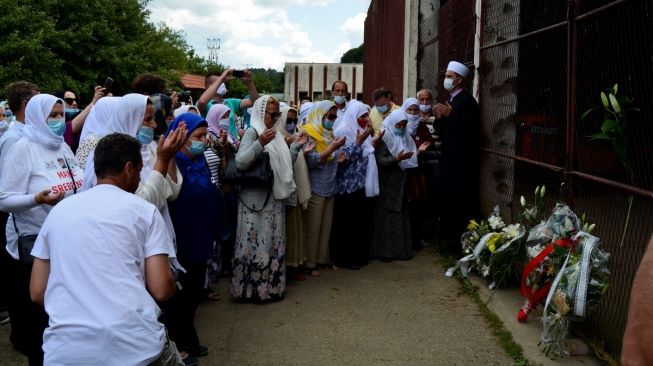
point(213, 296)
point(313, 272)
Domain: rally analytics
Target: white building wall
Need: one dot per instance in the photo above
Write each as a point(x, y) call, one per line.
point(304, 76)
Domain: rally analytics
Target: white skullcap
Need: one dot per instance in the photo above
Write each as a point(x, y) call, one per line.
point(222, 89)
point(458, 68)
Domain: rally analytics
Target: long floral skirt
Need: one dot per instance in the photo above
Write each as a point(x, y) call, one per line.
point(259, 265)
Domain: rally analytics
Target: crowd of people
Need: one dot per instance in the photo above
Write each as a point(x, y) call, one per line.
point(122, 215)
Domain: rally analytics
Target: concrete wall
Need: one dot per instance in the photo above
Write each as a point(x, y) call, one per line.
point(411, 43)
point(315, 79)
point(499, 67)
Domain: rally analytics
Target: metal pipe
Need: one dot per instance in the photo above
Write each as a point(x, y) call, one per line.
point(428, 43)
point(525, 35)
point(611, 183)
point(525, 160)
point(600, 9)
point(571, 99)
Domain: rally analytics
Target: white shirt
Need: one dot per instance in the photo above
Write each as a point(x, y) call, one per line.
point(340, 114)
point(9, 138)
point(100, 311)
point(29, 168)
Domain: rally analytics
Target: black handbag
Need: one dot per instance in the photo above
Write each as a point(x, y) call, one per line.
point(259, 174)
point(25, 245)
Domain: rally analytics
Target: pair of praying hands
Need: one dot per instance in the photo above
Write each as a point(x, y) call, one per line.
point(442, 110)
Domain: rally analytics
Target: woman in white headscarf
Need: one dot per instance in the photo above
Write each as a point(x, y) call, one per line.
point(420, 179)
point(298, 200)
point(394, 157)
point(38, 172)
point(357, 181)
point(259, 267)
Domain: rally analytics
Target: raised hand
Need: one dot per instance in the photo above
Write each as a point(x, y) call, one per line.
point(337, 142)
point(267, 136)
point(301, 138)
point(168, 146)
point(444, 110)
point(377, 138)
point(289, 139)
point(403, 155)
point(362, 136)
point(309, 146)
point(99, 93)
point(423, 147)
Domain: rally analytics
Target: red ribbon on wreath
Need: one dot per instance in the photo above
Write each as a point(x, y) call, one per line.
point(533, 298)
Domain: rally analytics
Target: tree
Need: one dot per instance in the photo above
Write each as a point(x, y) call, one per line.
point(66, 44)
point(353, 56)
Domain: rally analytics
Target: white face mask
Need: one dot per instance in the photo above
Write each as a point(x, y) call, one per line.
point(425, 108)
point(224, 123)
point(448, 83)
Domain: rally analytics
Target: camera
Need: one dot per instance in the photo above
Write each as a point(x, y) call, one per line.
point(238, 73)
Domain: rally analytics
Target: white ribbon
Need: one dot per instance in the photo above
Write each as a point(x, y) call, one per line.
point(590, 242)
point(464, 262)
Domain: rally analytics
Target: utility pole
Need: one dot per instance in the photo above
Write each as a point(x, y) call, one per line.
point(213, 45)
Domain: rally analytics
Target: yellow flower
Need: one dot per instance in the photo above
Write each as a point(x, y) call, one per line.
point(492, 242)
point(472, 225)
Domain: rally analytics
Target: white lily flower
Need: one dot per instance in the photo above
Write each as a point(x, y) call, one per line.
point(523, 201)
point(512, 230)
point(542, 191)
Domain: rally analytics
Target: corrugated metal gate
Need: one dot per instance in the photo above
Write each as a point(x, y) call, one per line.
point(543, 63)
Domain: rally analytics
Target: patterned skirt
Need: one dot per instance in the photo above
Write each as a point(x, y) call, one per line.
point(259, 265)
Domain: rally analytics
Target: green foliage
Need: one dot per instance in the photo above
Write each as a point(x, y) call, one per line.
point(616, 109)
point(353, 56)
point(66, 44)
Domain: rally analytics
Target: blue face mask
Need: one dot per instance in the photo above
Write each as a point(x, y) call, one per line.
point(58, 126)
point(145, 135)
point(328, 124)
point(290, 128)
point(224, 123)
point(339, 99)
point(197, 147)
point(71, 113)
point(399, 131)
point(382, 108)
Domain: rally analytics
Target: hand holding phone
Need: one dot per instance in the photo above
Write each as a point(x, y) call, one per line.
point(107, 84)
point(238, 73)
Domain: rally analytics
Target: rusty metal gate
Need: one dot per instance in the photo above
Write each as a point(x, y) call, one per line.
point(543, 63)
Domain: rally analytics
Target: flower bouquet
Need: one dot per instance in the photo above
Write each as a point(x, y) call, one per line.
point(576, 290)
point(546, 247)
point(476, 243)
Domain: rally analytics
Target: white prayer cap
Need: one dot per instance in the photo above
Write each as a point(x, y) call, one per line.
point(458, 68)
point(222, 89)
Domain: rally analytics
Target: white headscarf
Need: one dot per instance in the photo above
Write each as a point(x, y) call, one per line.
point(280, 160)
point(303, 112)
point(413, 121)
point(125, 117)
point(36, 126)
point(397, 144)
point(349, 128)
point(100, 119)
point(183, 109)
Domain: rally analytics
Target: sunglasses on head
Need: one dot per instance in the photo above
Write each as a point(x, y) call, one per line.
point(274, 115)
point(70, 100)
point(291, 120)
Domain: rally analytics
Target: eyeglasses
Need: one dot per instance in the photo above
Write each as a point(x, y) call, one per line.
point(70, 100)
point(274, 115)
point(291, 120)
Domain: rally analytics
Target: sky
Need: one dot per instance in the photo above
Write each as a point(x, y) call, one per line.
point(266, 33)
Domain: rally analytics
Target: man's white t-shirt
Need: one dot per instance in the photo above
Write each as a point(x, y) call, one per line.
point(100, 311)
point(28, 168)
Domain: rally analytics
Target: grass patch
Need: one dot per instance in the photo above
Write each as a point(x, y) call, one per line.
point(496, 325)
